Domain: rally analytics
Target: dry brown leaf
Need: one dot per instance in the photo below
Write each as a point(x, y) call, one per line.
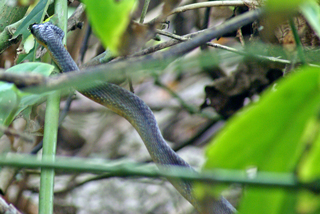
point(135, 37)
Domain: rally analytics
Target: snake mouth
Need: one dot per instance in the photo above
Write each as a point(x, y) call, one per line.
point(31, 28)
point(37, 31)
point(34, 29)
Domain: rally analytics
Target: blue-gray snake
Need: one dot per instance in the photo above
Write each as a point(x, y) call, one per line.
point(129, 106)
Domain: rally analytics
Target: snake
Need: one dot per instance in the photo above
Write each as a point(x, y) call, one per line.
point(129, 106)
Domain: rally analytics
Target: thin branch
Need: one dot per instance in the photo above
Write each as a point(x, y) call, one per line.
point(84, 44)
point(73, 20)
point(215, 32)
point(223, 47)
point(74, 185)
point(121, 169)
point(205, 5)
point(7, 208)
point(16, 133)
point(268, 58)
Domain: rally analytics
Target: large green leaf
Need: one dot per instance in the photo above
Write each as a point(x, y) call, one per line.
point(268, 200)
point(283, 5)
point(267, 136)
point(109, 19)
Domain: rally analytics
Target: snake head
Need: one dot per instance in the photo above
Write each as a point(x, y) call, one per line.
point(46, 32)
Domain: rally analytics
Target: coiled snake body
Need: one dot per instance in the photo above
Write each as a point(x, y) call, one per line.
point(126, 104)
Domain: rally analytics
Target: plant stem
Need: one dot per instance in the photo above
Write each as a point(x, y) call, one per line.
point(127, 169)
point(298, 42)
point(48, 154)
point(51, 128)
point(144, 11)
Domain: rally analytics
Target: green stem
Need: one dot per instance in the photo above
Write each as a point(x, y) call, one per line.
point(144, 11)
point(51, 128)
point(61, 10)
point(126, 169)
point(48, 153)
point(298, 42)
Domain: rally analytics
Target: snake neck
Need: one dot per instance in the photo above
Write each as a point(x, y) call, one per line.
point(125, 104)
point(132, 108)
point(62, 57)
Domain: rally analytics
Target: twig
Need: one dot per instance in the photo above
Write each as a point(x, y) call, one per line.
point(171, 35)
point(215, 32)
point(73, 20)
point(205, 5)
point(268, 58)
point(25, 80)
point(84, 44)
point(15, 133)
point(223, 47)
point(7, 208)
point(74, 185)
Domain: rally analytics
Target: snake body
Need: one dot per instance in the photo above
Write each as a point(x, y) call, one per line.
point(127, 105)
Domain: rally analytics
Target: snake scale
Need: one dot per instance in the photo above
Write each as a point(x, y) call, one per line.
point(127, 105)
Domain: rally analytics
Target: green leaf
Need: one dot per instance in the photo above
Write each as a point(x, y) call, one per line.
point(309, 168)
point(283, 5)
point(32, 67)
point(109, 19)
point(28, 57)
point(35, 16)
point(12, 100)
point(311, 11)
point(309, 202)
point(45, 69)
point(9, 100)
point(268, 201)
point(267, 135)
